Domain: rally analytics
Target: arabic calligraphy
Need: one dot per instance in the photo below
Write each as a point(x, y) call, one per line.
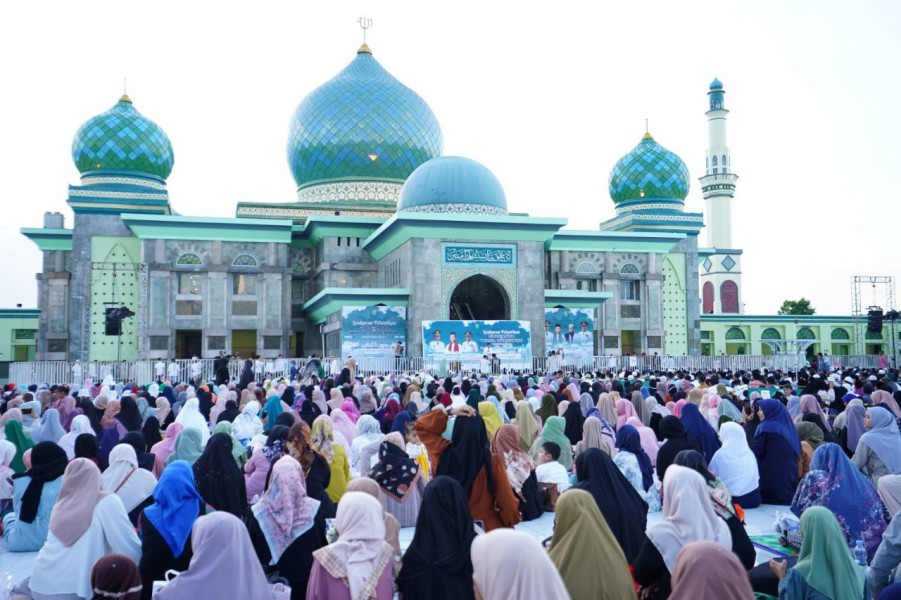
point(478, 255)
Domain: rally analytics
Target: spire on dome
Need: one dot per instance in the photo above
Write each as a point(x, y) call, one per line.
point(365, 23)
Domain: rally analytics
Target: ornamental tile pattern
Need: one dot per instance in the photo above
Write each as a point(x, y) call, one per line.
point(451, 278)
point(87, 181)
point(361, 124)
point(728, 263)
point(707, 264)
point(649, 171)
point(460, 209)
point(360, 191)
point(122, 139)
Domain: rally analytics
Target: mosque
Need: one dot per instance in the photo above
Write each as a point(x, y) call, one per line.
point(383, 219)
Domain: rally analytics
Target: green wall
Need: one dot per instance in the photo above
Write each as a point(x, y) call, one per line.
point(114, 278)
point(18, 327)
point(675, 309)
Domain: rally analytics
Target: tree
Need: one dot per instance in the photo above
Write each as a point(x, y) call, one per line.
point(797, 307)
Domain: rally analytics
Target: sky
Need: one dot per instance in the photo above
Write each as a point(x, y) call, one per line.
point(548, 96)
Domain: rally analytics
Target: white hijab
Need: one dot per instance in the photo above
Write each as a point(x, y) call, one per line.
point(80, 424)
point(687, 516)
point(512, 564)
point(132, 484)
point(248, 424)
point(734, 463)
point(190, 418)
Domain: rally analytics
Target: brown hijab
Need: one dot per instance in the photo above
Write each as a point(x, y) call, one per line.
point(82, 489)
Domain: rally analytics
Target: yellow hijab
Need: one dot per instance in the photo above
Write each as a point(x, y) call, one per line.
point(490, 417)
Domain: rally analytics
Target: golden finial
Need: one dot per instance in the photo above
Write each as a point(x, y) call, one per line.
point(125, 98)
point(647, 133)
point(365, 23)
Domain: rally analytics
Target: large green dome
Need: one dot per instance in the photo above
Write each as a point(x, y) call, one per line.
point(360, 135)
point(122, 139)
point(649, 174)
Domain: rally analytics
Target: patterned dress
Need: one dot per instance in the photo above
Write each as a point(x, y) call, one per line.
point(628, 465)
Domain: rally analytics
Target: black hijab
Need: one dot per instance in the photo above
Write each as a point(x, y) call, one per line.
point(288, 396)
point(88, 410)
point(246, 375)
point(230, 413)
point(48, 462)
point(86, 446)
point(574, 421)
point(286, 418)
point(218, 477)
point(205, 399)
point(136, 440)
point(468, 453)
point(151, 432)
point(309, 412)
point(677, 440)
point(624, 510)
point(828, 437)
point(129, 415)
point(437, 564)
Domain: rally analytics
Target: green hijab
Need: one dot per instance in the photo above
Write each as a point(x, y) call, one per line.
point(237, 449)
point(188, 446)
point(553, 432)
point(825, 562)
point(15, 434)
point(474, 398)
point(810, 433)
point(548, 408)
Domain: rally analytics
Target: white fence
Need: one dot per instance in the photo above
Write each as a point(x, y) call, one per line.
point(184, 370)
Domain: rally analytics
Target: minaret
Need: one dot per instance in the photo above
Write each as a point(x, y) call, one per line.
point(718, 182)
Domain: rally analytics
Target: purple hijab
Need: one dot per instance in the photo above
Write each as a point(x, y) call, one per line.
point(778, 421)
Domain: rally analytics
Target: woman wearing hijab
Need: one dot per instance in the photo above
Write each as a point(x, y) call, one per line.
point(151, 432)
point(345, 430)
point(810, 405)
point(853, 428)
point(271, 411)
point(586, 553)
point(369, 432)
point(128, 418)
point(247, 376)
point(528, 426)
point(163, 449)
point(190, 418)
point(720, 497)
point(50, 430)
point(133, 485)
point(86, 446)
point(736, 466)
point(165, 526)
point(400, 479)
point(825, 568)
point(286, 526)
point(707, 570)
point(624, 410)
point(392, 527)
point(218, 478)
point(34, 494)
point(147, 461)
point(236, 572)
point(437, 564)
point(323, 440)
point(641, 409)
point(316, 471)
point(548, 408)
point(256, 471)
point(648, 440)
point(596, 435)
point(358, 564)
point(15, 434)
point(86, 523)
point(879, 449)
point(188, 447)
point(468, 459)
point(116, 576)
point(490, 417)
point(688, 516)
point(248, 423)
point(635, 465)
point(697, 425)
point(777, 448)
point(520, 470)
point(574, 421)
point(238, 451)
point(554, 431)
point(512, 565)
point(833, 482)
point(623, 508)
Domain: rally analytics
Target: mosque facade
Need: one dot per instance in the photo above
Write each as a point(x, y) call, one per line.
point(383, 218)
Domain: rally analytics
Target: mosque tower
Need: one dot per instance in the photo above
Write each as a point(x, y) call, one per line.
point(721, 269)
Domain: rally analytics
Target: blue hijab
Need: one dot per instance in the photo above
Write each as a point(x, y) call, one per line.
point(400, 423)
point(272, 409)
point(699, 427)
point(628, 439)
point(176, 505)
point(777, 420)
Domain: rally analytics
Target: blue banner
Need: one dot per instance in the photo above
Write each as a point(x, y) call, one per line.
point(373, 331)
point(509, 340)
point(570, 330)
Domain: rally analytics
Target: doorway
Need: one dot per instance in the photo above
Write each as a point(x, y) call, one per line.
point(244, 342)
point(188, 343)
point(631, 343)
point(479, 298)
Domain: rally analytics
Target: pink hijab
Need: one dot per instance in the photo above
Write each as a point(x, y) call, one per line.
point(648, 438)
point(343, 425)
point(73, 512)
point(625, 411)
point(163, 449)
point(810, 404)
point(350, 409)
point(677, 409)
point(285, 512)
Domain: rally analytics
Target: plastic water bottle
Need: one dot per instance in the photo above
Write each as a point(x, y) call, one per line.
point(860, 554)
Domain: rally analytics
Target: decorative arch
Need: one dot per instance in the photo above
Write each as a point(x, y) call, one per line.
point(734, 333)
point(245, 260)
point(805, 333)
point(707, 298)
point(479, 297)
point(729, 297)
point(770, 334)
point(840, 333)
point(629, 269)
point(188, 259)
point(636, 259)
point(586, 267)
point(872, 335)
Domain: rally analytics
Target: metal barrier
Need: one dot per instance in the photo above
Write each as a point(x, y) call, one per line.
point(143, 371)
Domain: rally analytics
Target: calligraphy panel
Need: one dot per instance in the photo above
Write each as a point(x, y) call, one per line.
point(491, 256)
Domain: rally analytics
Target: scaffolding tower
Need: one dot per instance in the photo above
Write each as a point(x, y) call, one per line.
point(884, 283)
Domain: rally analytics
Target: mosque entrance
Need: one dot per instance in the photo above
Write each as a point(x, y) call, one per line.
point(188, 343)
point(479, 298)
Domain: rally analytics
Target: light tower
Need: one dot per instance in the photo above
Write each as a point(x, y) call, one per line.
point(721, 269)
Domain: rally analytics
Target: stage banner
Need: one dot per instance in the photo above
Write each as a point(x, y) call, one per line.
point(570, 330)
point(373, 331)
point(509, 340)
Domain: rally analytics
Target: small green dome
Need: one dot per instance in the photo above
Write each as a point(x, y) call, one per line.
point(649, 173)
point(122, 139)
point(716, 84)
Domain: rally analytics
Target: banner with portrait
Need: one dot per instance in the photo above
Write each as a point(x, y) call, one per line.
point(373, 331)
point(570, 330)
point(510, 340)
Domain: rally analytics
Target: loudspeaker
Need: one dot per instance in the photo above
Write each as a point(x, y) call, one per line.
point(874, 321)
point(113, 322)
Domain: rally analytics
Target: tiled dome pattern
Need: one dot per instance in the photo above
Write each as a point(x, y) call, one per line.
point(649, 172)
point(122, 139)
point(363, 112)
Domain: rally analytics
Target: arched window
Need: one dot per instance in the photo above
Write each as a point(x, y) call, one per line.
point(586, 267)
point(708, 298)
point(770, 334)
point(629, 269)
point(714, 160)
point(188, 259)
point(840, 334)
point(805, 333)
point(729, 297)
point(734, 333)
point(725, 162)
point(872, 335)
point(245, 260)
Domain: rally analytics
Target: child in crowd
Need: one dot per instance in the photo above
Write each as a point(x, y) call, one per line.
point(549, 470)
point(417, 452)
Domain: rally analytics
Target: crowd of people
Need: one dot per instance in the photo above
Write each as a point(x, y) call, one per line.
point(258, 488)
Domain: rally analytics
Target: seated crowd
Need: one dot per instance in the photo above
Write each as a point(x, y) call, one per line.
point(276, 488)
